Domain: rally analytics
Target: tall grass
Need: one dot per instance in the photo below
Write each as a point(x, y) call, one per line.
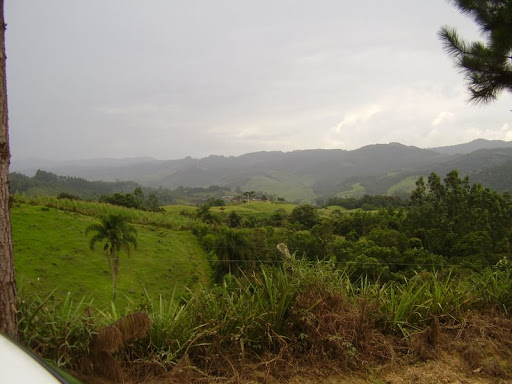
point(173, 328)
point(494, 289)
point(58, 330)
point(253, 315)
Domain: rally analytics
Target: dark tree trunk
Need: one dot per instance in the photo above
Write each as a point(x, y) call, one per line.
point(8, 295)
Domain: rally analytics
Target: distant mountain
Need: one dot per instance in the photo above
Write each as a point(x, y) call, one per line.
point(30, 166)
point(297, 175)
point(301, 175)
point(475, 145)
point(490, 167)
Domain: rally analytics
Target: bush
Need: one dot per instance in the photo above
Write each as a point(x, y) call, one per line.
point(64, 195)
point(305, 216)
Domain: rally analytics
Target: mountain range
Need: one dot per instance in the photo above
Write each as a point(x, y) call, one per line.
point(303, 174)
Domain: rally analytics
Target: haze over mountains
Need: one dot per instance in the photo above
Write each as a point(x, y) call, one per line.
point(305, 174)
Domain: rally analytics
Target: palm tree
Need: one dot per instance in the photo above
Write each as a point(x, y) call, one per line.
point(487, 66)
point(117, 234)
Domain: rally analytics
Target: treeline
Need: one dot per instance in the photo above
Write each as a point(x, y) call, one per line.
point(499, 176)
point(447, 223)
point(50, 184)
point(190, 191)
point(367, 202)
point(464, 222)
point(45, 183)
point(135, 200)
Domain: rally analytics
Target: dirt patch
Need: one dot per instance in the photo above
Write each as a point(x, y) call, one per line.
point(445, 369)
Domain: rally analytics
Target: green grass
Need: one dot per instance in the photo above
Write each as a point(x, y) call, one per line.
point(177, 209)
point(328, 211)
point(357, 191)
point(52, 253)
point(337, 208)
point(291, 187)
point(91, 208)
point(262, 210)
point(406, 185)
point(256, 209)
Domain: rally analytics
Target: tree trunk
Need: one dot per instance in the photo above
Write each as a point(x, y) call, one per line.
point(113, 287)
point(8, 295)
point(115, 270)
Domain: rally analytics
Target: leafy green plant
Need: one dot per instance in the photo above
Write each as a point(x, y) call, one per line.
point(59, 330)
point(494, 288)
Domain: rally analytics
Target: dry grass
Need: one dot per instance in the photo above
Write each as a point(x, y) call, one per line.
point(485, 343)
point(342, 337)
point(134, 326)
point(109, 340)
point(328, 325)
point(426, 342)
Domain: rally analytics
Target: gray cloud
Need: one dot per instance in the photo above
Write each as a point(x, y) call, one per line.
point(170, 79)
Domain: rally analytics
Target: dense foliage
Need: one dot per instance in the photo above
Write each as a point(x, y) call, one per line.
point(135, 200)
point(448, 223)
point(46, 184)
point(468, 224)
point(367, 202)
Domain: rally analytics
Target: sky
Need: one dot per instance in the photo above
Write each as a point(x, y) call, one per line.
point(169, 79)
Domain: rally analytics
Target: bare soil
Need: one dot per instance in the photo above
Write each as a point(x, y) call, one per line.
point(445, 369)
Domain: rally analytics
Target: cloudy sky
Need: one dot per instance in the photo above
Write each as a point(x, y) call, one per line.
point(169, 78)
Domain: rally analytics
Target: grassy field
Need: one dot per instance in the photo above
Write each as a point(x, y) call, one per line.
point(95, 209)
point(292, 187)
point(256, 209)
point(52, 253)
point(406, 185)
point(177, 209)
point(357, 191)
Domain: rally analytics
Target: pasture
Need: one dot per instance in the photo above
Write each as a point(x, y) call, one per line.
point(52, 255)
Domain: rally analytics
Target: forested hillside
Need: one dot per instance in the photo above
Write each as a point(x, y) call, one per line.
point(486, 166)
point(45, 183)
point(119, 192)
point(308, 175)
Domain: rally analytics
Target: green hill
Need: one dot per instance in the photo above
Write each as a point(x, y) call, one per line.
point(52, 254)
